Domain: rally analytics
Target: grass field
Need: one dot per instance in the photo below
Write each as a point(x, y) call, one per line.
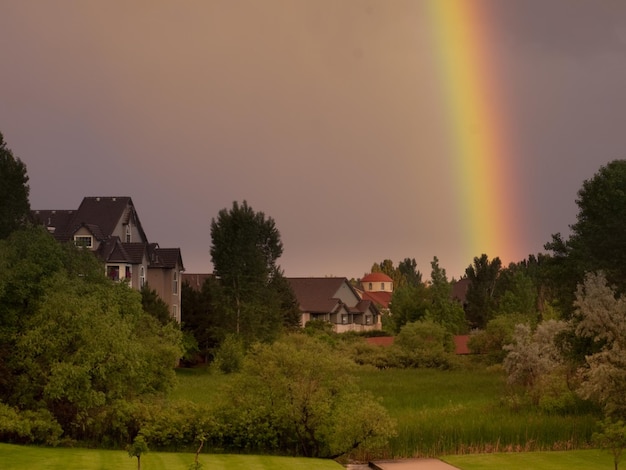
point(570, 460)
point(442, 412)
point(461, 411)
point(13, 457)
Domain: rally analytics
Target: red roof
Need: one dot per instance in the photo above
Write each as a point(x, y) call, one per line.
point(460, 342)
point(382, 299)
point(376, 277)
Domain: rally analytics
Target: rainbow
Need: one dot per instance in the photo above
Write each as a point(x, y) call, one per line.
point(478, 127)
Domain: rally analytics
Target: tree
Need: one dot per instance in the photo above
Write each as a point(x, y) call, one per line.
point(137, 449)
point(480, 298)
point(600, 315)
point(245, 248)
point(14, 190)
point(155, 306)
point(598, 238)
point(613, 437)
point(409, 304)
point(443, 308)
point(406, 274)
point(297, 396)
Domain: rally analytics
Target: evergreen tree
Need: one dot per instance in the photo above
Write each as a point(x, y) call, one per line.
point(14, 190)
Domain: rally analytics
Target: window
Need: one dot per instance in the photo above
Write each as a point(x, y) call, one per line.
point(344, 319)
point(175, 283)
point(382, 286)
point(368, 320)
point(128, 234)
point(142, 276)
point(113, 273)
point(84, 241)
point(128, 274)
point(175, 312)
point(370, 286)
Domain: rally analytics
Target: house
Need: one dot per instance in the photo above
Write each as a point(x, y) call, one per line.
point(377, 288)
point(334, 299)
point(110, 227)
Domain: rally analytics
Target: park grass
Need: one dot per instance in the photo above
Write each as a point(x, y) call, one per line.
point(570, 460)
point(14, 457)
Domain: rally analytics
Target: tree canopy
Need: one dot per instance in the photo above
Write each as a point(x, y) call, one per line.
point(251, 299)
point(14, 190)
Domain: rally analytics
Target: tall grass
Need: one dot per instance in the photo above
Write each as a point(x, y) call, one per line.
point(441, 412)
point(462, 411)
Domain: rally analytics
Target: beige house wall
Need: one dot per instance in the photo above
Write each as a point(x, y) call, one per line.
point(167, 284)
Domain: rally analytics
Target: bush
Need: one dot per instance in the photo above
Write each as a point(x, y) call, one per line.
point(28, 427)
point(425, 344)
point(229, 356)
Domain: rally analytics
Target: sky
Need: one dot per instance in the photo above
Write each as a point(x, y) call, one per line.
point(367, 129)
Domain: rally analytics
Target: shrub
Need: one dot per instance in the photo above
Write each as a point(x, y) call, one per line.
point(28, 427)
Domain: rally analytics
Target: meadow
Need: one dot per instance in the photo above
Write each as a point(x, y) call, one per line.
point(13, 457)
point(459, 411)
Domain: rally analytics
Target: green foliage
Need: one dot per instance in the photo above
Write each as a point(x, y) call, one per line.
point(611, 437)
point(199, 318)
point(443, 308)
point(137, 449)
point(405, 274)
point(425, 344)
point(178, 426)
point(74, 343)
point(297, 396)
point(490, 342)
point(28, 427)
point(598, 238)
point(410, 304)
point(252, 300)
point(14, 190)
point(154, 305)
point(480, 298)
point(230, 355)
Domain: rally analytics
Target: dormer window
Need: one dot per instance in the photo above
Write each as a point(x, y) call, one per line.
point(369, 287)
point(83, 241)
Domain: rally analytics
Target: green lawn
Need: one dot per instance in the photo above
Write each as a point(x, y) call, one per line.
point(569, 460)
point(13, 457)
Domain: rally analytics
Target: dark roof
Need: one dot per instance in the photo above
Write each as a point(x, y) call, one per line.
point(56, 221)
point(135, 251)
point(99, 214)
point(164, 257)
point(316, 294)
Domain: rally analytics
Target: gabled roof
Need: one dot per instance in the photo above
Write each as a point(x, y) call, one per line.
point(99, 214)
point(164, 257)
point(316, 294)
point(56, 221)
point(105, 212)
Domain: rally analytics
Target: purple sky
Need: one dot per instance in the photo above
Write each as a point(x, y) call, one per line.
point(324, 114)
